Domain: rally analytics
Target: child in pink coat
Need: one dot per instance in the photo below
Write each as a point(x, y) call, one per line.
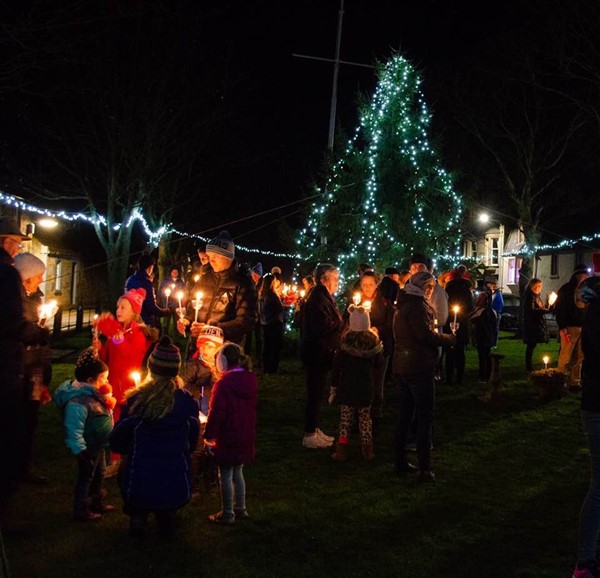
point(231, 429)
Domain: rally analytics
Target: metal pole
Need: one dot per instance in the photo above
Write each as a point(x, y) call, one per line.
point(336, 68)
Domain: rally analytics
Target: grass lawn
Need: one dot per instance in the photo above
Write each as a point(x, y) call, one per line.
point(511, 476)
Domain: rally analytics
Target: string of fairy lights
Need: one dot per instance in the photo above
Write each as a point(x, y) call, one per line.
point(154, 236)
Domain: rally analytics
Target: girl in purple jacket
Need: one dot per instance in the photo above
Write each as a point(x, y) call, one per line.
point(231, 429)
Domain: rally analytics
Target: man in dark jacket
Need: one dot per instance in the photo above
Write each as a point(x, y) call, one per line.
point(229, 299)
point(142, 279)
point(12, 384)
point(321, 331)
point(569, 318)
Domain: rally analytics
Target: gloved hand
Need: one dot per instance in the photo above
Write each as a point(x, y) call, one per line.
point(332, 394)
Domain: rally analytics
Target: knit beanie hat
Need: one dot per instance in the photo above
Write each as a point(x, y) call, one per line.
point(28, 265)
point(165, 359)
point(359, 318)
point(579, 269)
point(258, 269)
point(419, 279)
point(222, 244)
point(136, 298)
point(391, 271)
point(89, 366)
point(210, 333)
point(276, 270)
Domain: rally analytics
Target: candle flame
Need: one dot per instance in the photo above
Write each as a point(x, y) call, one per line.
point(137, 377)
point(545, 359)
point(196, 278)
point(356, 298)
point(180, 295)
point(455, 309)
point(168, 292)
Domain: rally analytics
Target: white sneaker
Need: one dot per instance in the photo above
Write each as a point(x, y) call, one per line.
point(315, 442)
point(323, 436)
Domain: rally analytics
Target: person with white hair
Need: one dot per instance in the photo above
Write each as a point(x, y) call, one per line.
point(321, 331)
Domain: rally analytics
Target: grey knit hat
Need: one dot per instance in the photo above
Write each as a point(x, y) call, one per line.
point(28, 265)
point(222, 244)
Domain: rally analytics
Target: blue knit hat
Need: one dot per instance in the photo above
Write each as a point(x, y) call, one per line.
point(258, 269)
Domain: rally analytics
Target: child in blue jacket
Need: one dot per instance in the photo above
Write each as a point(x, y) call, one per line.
point(87, 406)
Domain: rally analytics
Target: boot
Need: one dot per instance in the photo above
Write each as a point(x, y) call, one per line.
point(340, 452)
point(367, 452)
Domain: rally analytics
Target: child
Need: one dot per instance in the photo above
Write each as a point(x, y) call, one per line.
point(231, 429)
point(157, 432)
point(361, 352)
point(127, 344)
point(198, 379)
point(88, 421)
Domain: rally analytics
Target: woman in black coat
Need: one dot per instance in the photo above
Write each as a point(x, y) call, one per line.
point(415, 358)
point(535, 329)
point(271, 315)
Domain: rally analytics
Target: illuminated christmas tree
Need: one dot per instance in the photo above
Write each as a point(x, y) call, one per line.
point(388, 195)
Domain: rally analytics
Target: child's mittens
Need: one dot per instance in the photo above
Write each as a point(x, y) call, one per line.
point(332, 394)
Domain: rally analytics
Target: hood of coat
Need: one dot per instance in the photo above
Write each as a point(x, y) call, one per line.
point(356, 345)
point(70, 389)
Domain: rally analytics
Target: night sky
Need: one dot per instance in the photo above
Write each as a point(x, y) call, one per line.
point(269, 147)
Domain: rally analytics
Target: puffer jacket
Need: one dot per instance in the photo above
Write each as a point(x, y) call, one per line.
point(229, 302)
point(232, 417)
point(352, 371)
point(156, 474)
point(88, 422)
point(415, 340)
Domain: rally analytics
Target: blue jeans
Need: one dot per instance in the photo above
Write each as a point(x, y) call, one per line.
point(232, 484)
point(589, 519)
point(416, 396)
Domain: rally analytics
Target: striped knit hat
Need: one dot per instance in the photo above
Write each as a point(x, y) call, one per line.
point(222, 244)
point(165, 359)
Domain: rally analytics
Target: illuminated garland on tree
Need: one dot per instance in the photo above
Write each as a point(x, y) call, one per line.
point(387, 196)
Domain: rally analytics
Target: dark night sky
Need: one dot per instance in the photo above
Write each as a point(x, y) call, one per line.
point(277, 139)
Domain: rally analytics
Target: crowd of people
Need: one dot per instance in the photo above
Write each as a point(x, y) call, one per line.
point(165, 422)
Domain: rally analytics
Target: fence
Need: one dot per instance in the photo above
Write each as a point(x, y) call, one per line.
point(73, 319)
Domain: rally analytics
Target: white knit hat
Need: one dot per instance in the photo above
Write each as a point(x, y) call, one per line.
point(359, 318)
point(28, 265)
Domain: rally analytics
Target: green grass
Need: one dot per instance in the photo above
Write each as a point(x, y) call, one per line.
point(511, 478)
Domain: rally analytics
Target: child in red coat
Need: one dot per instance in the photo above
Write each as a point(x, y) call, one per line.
point(231, 429)
point(124, 351)
point(128, 341)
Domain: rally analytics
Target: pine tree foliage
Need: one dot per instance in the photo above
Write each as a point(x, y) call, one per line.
point(387, 196)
